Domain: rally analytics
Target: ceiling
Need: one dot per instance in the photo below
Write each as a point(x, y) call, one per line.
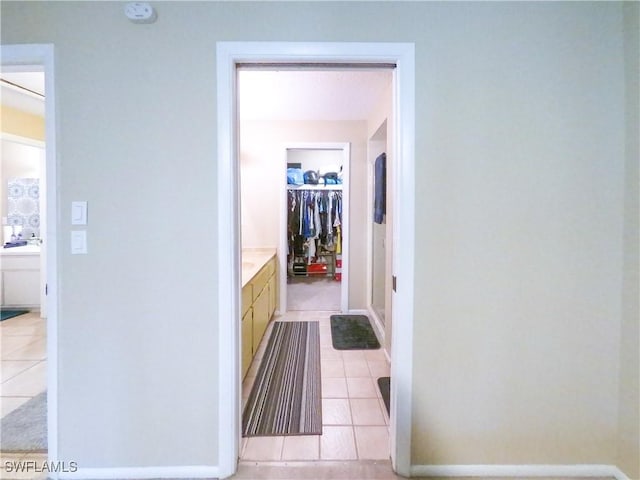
point(23, 91)
point(263, 94)
point(310, 94)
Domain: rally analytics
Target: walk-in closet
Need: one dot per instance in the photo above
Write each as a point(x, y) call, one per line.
point(314, 228)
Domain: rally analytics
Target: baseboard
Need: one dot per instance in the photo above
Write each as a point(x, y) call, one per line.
point(619, 474)
point(379, 329)
point(515, 471)
point(142, 473)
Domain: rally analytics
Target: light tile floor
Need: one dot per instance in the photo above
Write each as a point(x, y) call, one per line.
point(325, 470)
point(355, 420)
point(23, 374)
point(24, 360)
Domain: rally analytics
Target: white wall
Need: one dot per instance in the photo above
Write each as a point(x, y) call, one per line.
point(322, 161)
point(262, 145)
point(380, 127)
point(520, 165)
point(20, 160)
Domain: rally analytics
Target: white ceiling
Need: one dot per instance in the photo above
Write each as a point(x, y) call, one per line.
point(310, 94)
point(30, 100)
point(263, 94)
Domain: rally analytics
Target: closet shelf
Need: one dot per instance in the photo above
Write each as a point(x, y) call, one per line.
point(314, 187)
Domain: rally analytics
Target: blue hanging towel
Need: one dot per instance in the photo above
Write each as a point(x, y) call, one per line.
point(380, 188)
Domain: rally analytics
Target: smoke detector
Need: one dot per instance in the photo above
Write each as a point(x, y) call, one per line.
point(140, 12)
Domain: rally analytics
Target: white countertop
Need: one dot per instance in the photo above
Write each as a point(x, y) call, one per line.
point(24, 250)
point(253, 259)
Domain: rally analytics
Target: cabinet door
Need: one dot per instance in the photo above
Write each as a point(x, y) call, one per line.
point(21, 288)
point(260, 281)
point(247, 341)
point(272, 295)
point(260, 317)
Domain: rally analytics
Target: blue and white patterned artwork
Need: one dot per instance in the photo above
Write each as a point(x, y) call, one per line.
point(24, 205)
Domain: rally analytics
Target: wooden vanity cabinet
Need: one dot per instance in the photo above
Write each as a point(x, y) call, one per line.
point(258, 305)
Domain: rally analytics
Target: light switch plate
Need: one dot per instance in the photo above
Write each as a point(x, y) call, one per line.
point(78, 213)
point(78, 242)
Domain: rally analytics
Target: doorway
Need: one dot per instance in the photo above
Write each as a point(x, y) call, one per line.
point(23, 201)
point(230, 55)
point(280, 152)
point(317, 268)
point(39, 58)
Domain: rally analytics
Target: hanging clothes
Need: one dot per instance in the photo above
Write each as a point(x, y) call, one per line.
point(380, 188)
point(314, 218)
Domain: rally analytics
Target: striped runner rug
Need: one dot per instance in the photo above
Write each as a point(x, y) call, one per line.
point(286, 398)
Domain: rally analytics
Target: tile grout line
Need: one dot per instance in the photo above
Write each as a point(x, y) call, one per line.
point(353, 429)
point(21, 371)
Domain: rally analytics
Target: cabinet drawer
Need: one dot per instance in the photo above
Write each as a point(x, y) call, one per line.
point(21, 288)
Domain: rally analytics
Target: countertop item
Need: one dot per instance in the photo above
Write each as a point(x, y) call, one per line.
point(253, 259)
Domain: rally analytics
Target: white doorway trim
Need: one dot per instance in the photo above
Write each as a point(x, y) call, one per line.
point(228, 55)
point(40, 57)
point(346, 189)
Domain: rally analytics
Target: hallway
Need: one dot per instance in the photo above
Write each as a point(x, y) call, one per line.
point(355, 420)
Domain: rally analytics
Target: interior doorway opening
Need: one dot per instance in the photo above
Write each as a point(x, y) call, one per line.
point(38, 59)
point(316, 238)
point(230, 55)
point(316, 248)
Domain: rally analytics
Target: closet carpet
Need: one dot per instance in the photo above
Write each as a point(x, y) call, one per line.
point(313, 293)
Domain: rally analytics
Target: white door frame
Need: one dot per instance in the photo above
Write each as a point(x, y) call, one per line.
point(228, 55)
point(345, 147)
point(40, 57)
